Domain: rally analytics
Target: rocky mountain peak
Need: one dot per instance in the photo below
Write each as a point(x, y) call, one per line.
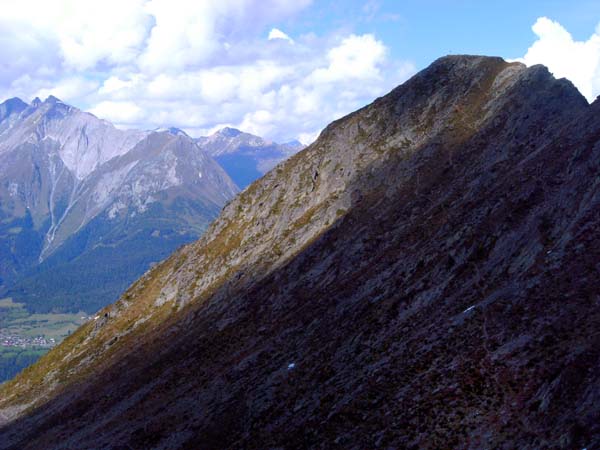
point(229, 132)
point(52, 99)
point(83, 141)
point(454, 76)
point(11, 106)
point(245, 156)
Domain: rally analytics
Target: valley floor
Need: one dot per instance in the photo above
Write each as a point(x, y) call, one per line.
point(25, 337)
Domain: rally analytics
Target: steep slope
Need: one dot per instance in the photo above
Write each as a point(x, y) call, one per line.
point(246, 157)
point(79, 196)
point(422, 276)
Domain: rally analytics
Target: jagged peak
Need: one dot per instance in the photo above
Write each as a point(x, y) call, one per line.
point(11, 106)
point(229, 132)
point(52, 99)
point(234, 134)
point(14, 101)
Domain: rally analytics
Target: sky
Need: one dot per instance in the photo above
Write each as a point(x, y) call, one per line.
point(280, 69)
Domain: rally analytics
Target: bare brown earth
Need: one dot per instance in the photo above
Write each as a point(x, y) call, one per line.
point(424, 276)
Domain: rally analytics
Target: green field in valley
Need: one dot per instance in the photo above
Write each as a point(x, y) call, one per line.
point(25, 337)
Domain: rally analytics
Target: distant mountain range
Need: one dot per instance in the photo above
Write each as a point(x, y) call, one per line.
point(85, 208)
point(246, 157)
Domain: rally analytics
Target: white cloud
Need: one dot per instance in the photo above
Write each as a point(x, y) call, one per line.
point(69, 89)
point(196, 65)
point(119, 113)
point(183, 35)
point(579, 61)
point(276, 33)
point(192, 33)
point(356, 57)
point(308, 138)
point(114, 84)
point(85, 33)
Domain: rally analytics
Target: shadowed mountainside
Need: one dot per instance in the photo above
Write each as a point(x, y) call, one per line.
point(422, 276)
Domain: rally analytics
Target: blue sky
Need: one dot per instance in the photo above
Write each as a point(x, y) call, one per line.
point(278, 68)
point(424, 30)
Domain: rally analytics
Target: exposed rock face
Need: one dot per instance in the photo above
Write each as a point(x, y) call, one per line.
point(246, 157)
point(422, 276)
point(78, 195)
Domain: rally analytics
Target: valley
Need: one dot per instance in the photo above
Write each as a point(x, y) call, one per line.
point(86, 208)
point(24, 337)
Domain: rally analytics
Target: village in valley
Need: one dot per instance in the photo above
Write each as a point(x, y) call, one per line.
point(21, 329)
point(11, 340)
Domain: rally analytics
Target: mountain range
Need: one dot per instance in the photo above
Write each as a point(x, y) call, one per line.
point(422, 276)
point(86, 208)
point(246, 157)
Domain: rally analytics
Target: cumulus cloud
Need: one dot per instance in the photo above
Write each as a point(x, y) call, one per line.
point(84, 33)
point(69, 88)
point(118, 112)
point(191, 64)
point(579, 61)
point(356, 57)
